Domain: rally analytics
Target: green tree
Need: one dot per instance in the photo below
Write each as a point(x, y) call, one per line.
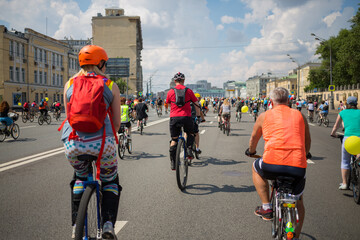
point(121, 84)
point(345, 53)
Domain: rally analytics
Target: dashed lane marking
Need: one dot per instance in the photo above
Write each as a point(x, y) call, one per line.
point(28, 127)
point(203, 131)
point(211, 122)
point(311, 124)
point(119, 225)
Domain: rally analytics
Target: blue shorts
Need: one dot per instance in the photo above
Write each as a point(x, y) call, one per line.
point(7, 120)
point(271, 171)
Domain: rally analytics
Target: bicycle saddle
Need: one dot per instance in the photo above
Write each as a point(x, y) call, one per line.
point(87, 157)
point(285, 184)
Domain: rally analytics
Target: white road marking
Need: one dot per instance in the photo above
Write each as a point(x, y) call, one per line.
point(203, 131)
point(215, 116)
point(312, 124)
point(119, 225)
point(211, 122)
point(40, 156)
point(28, 127)
point(309, 161)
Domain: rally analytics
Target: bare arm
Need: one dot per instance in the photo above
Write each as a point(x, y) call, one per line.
point(256, 133)
point(337, 125)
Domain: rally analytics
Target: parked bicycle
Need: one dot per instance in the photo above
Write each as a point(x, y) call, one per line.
point(44, 118)
point(354, 176)
point(13, 130)
point(124, 143)
point(88, 220)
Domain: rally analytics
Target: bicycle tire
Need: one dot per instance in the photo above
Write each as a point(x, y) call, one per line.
point(121, 147)
point(2, 136)
point(40, 120)
point(319, 121)
point(15, 131)
point(181, 165)
point(88, 210)
point(48, 119)
point(141, 128)
point(129, 146)
point(326, 122)
point(356, 185)
point(228, 130)
point(275, 221)
point(224, 128)
point(31, 118)
point(23, 118)
point(194, 149)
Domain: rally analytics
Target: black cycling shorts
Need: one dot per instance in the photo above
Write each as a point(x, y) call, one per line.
point(177, 122)
point(196, 126)
point(271, 171)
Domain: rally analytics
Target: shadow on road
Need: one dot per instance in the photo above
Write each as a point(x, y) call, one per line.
point(206, 189)
point(204, 161)
point(235, 134)
point(307, 236)
point(10, 140)
point(140, 155)
point(152, 133)
point(317, 158)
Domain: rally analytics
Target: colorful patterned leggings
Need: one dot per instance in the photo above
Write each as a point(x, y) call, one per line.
point(108, 173)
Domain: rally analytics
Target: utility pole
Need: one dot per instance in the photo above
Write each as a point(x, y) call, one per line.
point(298, 70)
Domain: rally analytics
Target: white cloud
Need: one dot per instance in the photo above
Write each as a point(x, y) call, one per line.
point(220, 27)
point(227, 19)
point(329, 19)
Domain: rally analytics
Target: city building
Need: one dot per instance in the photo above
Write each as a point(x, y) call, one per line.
point(288, 82)
point(33, 66)
point(256, 86)
point(121, 37)
point(235, 89)
point(303, 76)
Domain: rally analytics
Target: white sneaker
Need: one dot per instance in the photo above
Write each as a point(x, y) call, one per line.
point(343, 186)
point(73, 232)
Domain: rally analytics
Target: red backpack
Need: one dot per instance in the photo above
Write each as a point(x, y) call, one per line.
point(86, 111)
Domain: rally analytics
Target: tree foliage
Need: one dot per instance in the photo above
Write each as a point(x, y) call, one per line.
point(345, 54)
point(121, 84)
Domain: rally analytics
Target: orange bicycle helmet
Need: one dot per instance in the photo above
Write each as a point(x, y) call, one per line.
point(92, 55)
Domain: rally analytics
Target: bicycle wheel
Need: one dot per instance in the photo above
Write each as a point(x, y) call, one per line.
point(275, 222)
point(194, 149)
point(224, 128)
point(121, 146)
point(15, 131)
point(24, 118)
point(141, 128)
point(48, 119)
point(355, 180)
point(129, 146)
point(88, 212)
point(41, 120)
point(326, 122)
point(2, 136)
point(31, 117)
point(319, 121)
point(181, 165)
point(228, 129)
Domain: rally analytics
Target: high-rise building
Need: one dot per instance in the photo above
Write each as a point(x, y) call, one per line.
point(121, 37)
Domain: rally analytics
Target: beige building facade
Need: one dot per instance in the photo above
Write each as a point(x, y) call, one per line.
point(33, 66)
point(303, 77)
point(121, 37)
point(288, 82)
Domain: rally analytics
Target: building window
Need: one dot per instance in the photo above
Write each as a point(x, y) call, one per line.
point(62, 98)
point(61, 60)
point(61, 80)
point(40, 77)
point(36, 97)
point(23, 50)
point(53, 59)
point(17, 74)
point(23, 74)
point(54, 97)
point(17, 49)
point(11, 48)
point(53, 80)
point(41, 96)
point(35, 76)
point(45, 58)
point(35, 54)
point(57, 79)
point(11, 72)
point(45, 78)
point(40, 55)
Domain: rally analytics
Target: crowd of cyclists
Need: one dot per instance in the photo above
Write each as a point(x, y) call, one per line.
point(187, 109)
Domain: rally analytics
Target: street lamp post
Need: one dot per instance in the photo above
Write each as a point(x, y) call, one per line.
point(322, 40)
point(297, 82)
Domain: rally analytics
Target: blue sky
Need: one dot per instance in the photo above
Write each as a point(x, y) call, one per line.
point(216, 40)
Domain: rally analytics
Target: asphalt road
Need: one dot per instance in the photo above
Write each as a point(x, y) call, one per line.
point(218, 202)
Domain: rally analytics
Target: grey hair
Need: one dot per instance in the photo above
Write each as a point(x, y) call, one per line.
point(280, 95)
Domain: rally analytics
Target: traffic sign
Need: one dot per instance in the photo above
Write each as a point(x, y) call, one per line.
point(315, 90)
point(292, 92)
point(331, 88)
point(140, 94)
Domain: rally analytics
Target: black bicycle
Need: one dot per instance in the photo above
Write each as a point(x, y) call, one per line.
point(182, 162)
point(354, 176)
point(44, 118)
point(13, 130)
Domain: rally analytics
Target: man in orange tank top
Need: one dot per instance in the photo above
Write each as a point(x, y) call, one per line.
point(287, 142)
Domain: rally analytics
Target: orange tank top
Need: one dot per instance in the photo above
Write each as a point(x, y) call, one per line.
point(284, 135)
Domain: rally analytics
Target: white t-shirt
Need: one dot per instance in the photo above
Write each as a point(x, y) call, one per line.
point(310, 106)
